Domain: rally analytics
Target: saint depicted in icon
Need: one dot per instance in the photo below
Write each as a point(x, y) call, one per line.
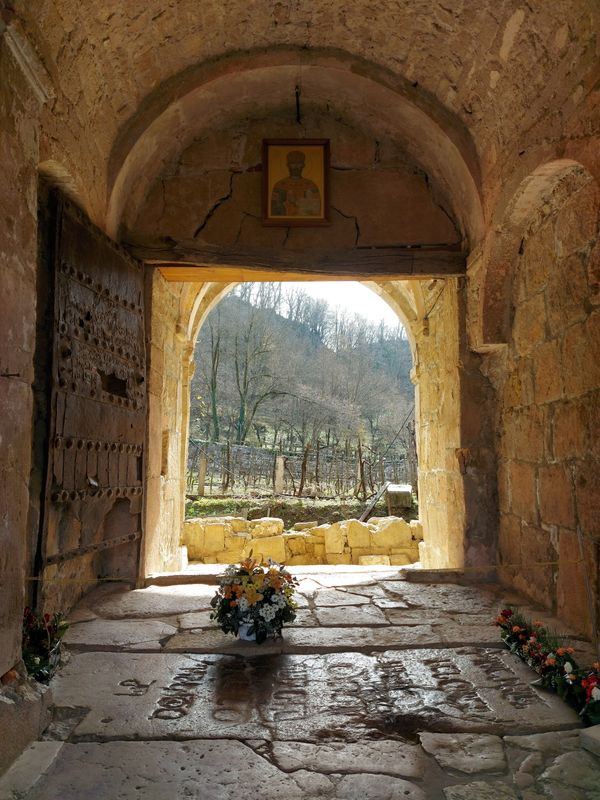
point(295, 196)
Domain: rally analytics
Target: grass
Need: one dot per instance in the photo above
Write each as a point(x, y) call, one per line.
point(290, 509)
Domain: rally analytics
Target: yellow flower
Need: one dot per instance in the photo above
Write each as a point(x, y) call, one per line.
point(252, 595)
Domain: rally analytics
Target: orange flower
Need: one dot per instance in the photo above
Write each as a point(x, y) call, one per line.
point(560, 651)
point(501, 620)
point(516, 628)
point(248, 564)
point(550, 661)
point(252, 595)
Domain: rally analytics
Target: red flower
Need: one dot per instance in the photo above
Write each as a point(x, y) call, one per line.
point(588, 684)
point(507, 612)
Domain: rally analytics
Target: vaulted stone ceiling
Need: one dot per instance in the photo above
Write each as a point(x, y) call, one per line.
point(489, 80)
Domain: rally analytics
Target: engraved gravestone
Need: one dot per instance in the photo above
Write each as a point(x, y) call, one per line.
point(312, 698)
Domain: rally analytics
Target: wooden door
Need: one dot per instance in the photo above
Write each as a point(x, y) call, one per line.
point(91, 525)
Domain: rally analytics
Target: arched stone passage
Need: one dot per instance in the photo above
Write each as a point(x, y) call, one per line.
point(535, 197)
point(431, 313)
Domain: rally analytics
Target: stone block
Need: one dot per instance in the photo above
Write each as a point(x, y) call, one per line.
point(572, 606)
point(304, 526)
point(338, 558)
point(319, 551)
point(401, 560)
point(193, 538)
point(427, 556)
point(416, 528)
point(536, 573)
point(302, 560)
point(295, 544)
point(370, 561)
point(523, 501)
point(335, 539)
point(394, 532)
point(319, 531)
point(358, 533)
point(214, 537)
point(239, 524)
point(265, 526)
point(267, 547)
point(569, 430)
point(557, 505)
point(547, 372)
point(231, 556)
point(587, 491)
point(357, 552)
point(529, 327)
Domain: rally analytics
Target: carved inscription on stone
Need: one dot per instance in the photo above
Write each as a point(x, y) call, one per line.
point(342, 696)
point(178, 697)
point(134, 688)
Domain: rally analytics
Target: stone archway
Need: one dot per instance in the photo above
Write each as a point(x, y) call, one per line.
point(187, 172)
point(431, 315)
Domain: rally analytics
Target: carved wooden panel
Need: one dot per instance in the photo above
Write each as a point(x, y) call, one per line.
point(94, 478)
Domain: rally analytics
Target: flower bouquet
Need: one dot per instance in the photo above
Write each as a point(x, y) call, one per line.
point(553, 662)
point(254, 601)
point(42, 635)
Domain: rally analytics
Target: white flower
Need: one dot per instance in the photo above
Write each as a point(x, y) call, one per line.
point(243, 604)
point(279, 600)
point(568, 667)
point(268, 613)
point(595, 693)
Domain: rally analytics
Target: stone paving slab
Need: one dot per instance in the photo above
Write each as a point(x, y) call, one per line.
point(308, 640)
point(382, 756)
point(199, 769)
point(466, 752)
point(102, 633)
point(155, 601)
point(338, 597)
point(345, 696)
point(446, 597)
point(333, 616)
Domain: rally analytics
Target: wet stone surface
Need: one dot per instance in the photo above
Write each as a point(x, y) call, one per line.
point(382, 690)
point(286, 697)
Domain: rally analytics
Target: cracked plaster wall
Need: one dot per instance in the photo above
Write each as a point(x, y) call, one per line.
point(212, 192)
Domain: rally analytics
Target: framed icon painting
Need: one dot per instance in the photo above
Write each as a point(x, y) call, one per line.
point(296, 182)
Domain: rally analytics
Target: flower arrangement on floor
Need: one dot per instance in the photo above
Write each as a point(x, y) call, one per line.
point(254, 601)
point(42, 635)
point(554, 663)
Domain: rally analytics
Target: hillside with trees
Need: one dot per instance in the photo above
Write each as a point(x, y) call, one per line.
point(279, 369)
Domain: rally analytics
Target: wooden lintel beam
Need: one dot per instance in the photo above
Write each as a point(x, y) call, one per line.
point(190, 262)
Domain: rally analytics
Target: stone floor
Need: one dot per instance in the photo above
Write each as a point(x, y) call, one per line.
point(384, 688)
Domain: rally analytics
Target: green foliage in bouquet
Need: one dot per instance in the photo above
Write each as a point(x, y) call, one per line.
point(554, 663)
point(255, 595)
point(42, 634)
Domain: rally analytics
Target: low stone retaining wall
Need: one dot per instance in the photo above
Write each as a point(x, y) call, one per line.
point(227, 540)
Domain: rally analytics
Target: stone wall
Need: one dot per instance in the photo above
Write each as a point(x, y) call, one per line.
point(549, 448)
point(227, 540)
point(19, 110)
point(168, 400)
